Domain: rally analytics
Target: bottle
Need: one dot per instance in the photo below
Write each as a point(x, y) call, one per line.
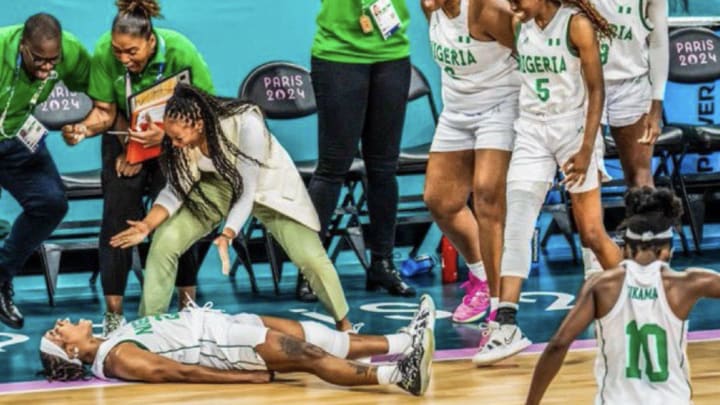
point(449, 260)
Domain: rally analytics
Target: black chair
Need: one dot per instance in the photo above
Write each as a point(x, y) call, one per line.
point(284, 91)
point(695, 59)
point(61, 108)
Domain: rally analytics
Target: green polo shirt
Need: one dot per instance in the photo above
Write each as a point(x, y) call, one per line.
point(339, 38)
point(74, 70)
point(174, 51)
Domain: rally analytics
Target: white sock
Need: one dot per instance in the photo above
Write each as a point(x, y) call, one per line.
point(590, 262)
point(508, 304)
point(388, 375)
point(398, 342)
point(478, 270)
point(494, 303)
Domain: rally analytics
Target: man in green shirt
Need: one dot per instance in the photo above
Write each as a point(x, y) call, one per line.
point(361, 75)
point(133, 56)
point(33, 57)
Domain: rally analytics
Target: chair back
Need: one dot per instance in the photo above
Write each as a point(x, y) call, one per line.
point(694, 55)
point(283, 90)
point(420, 87)
point(62, 107)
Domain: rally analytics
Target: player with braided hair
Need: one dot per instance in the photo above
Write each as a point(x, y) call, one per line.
point(130, 58)
point(224, 164)
point(640, 310)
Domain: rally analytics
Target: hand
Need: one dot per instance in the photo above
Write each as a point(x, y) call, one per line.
point(432, 5)
point(575, 169)
point(222, 242)
point(73, 134)
point(152, 136)
point(651, 129)
point(125, 169)
point(134, 235)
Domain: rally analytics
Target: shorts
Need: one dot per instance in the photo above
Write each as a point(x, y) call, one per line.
point(600, 156)
point(231, 342)
point(626, 101)
point(543, 144)
point(491, 129)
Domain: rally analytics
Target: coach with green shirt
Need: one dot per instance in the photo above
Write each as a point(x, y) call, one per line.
point(361, 75)
point(33, 57)
point(133, 56)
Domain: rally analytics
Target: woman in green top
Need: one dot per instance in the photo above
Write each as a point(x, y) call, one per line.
point(132, 56)
point(33, 57)
point(361, 76)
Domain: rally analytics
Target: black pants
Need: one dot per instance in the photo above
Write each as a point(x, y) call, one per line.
point(123, 200)
point(360, 103)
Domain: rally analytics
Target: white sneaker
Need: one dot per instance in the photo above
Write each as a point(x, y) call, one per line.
point(423, 319)
point(112, 322)
point(504, 341)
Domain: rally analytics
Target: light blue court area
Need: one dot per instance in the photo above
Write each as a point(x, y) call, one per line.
point(548, 294)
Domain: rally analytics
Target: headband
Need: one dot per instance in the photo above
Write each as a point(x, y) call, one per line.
point(649, 235)
point(48, 347)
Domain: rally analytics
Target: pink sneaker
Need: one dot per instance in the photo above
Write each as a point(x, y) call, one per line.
point(475, 303)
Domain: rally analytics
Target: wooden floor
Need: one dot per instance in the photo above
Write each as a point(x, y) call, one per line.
point(454, 382)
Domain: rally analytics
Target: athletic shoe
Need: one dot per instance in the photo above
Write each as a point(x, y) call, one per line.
point(503, 341)
point(475, 303)
point(486, 330)
point(111, 322)
point(424, 318)
point(416, 367)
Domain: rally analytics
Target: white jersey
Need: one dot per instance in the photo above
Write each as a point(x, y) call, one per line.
point(626, 56)
point(193, 336)
point(476, 75)
point(641, 344)
point(552, 82)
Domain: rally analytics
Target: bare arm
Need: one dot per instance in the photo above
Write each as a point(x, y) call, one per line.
point(128, 362)
point(584, 39)
point(703, 283)
point(576, 321)
point(100, 119)
point(429, 6)
point(139, 230)
point(659, 56)
point(491, 19)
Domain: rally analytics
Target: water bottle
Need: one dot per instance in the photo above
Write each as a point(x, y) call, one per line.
point(449, 261)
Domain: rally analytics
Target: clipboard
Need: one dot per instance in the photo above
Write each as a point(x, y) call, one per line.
point(150, 102)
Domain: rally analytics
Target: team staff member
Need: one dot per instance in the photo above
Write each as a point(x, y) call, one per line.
point(132, 56)
point(361, 76)
point(33, 57)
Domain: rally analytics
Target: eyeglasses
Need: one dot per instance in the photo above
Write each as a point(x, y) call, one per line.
point(39, 61)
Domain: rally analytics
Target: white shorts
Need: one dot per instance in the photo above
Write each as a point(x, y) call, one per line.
point(626, 101)
point(600, 156)
point(491, 129)
point(231, 342)
point(543, 144)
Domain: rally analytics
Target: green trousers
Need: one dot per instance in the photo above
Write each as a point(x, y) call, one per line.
point(179, 232)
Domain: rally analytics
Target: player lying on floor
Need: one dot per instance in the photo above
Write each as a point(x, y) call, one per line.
point(202, 345)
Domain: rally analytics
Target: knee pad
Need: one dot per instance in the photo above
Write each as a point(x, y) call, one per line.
point(524, 200)
point(333, 342)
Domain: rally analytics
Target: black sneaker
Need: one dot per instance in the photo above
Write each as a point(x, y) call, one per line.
point(416, 367)
point(383, 274)
point(303, 291)
point(9, 314)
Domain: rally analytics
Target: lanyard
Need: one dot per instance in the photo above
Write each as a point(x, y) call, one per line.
point(158, 77)
point(33, 100)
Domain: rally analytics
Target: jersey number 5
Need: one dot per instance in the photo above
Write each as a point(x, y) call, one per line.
point(653, 341)
point(542, 91)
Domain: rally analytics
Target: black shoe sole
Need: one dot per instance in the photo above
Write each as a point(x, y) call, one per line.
point(371, 286)
point(11, 323)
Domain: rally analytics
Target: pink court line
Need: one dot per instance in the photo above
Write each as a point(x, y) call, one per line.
point(440, 355)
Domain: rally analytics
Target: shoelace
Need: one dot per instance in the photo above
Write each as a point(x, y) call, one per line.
point(471, 300)
point(357, 326)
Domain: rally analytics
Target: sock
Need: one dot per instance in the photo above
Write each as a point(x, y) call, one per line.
point(506, 313)
point(494, 303)
point(478, 270)
point(388, 375)
point(398, 342)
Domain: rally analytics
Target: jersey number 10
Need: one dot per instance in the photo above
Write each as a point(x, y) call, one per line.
point(652, 339)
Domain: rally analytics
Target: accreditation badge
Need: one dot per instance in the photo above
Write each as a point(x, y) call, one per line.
point(385, 16)
point(32, 133)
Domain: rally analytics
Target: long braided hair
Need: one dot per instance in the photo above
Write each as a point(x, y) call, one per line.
point(598, 21)
point(134, 17)
point(191, 105)
point(57, 369)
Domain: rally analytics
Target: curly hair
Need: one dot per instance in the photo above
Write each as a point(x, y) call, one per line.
point(650, 209)
point(57, 369)
point(134, 17)
point(191, 105)
point(598, 21)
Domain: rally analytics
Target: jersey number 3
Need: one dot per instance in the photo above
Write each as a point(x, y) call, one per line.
point(652, 339)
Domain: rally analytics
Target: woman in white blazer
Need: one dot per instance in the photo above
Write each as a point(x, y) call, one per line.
point(225, 164)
